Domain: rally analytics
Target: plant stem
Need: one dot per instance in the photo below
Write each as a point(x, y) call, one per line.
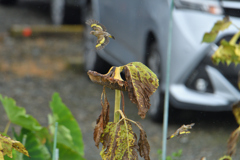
point(7, 127)
point(234, 39)
point(235, 26)
point(117, 105)
point(55, 141)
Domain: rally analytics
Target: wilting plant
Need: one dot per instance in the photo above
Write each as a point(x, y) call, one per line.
point(227, 53)
point(117, 137)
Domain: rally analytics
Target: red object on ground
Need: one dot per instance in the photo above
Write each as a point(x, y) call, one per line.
point(27, 32)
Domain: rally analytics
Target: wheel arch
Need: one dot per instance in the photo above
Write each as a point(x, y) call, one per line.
point(150, 38)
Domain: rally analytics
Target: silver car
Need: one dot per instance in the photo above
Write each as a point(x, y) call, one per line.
point(141, 30)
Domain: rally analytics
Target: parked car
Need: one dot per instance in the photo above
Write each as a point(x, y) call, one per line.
point(141, 31)
point(61, 11)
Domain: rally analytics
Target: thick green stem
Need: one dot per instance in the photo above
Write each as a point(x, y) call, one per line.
point(117, 105)
point(235, 38)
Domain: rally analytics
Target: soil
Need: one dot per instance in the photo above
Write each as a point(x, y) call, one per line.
point(33, 68)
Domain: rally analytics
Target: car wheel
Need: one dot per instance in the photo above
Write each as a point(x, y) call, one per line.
point(8, 2)
point(57, 11)
point(154, 63)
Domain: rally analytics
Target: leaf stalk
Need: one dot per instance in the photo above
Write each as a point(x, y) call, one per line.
point(7, 127)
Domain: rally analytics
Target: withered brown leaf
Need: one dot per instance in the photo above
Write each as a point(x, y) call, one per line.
point(119, 142)
point(109, 80)
point(144, 147)
point(7, 145)
point(102, 120)
point(184, 129)
point(18, 146)
point(134, 154)
point(142, 83)
point(232, 141)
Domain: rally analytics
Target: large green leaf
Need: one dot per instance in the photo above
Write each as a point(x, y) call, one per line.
point(37, 150)
point(14, 153)
point(17, 115)
point(67, 153)
point(63, 134)
point(69, 133)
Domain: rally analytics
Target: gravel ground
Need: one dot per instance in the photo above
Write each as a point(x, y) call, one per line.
point(32, 69)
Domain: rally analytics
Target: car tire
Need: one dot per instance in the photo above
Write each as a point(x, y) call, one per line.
point(8, 2)
point(153, 61)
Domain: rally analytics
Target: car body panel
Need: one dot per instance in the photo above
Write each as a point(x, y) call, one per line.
point(131, 22)
point(68, 2)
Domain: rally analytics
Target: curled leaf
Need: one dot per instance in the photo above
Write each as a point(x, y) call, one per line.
point(7, 144)
point(18, 146)
point(144, 148)
point(218, 26)
point(142, 83)
point(102, 120)
point(111, 80)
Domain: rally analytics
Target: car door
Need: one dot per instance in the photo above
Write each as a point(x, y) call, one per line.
point(119, 16)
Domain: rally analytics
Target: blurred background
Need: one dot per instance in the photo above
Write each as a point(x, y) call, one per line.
point(37, 59)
